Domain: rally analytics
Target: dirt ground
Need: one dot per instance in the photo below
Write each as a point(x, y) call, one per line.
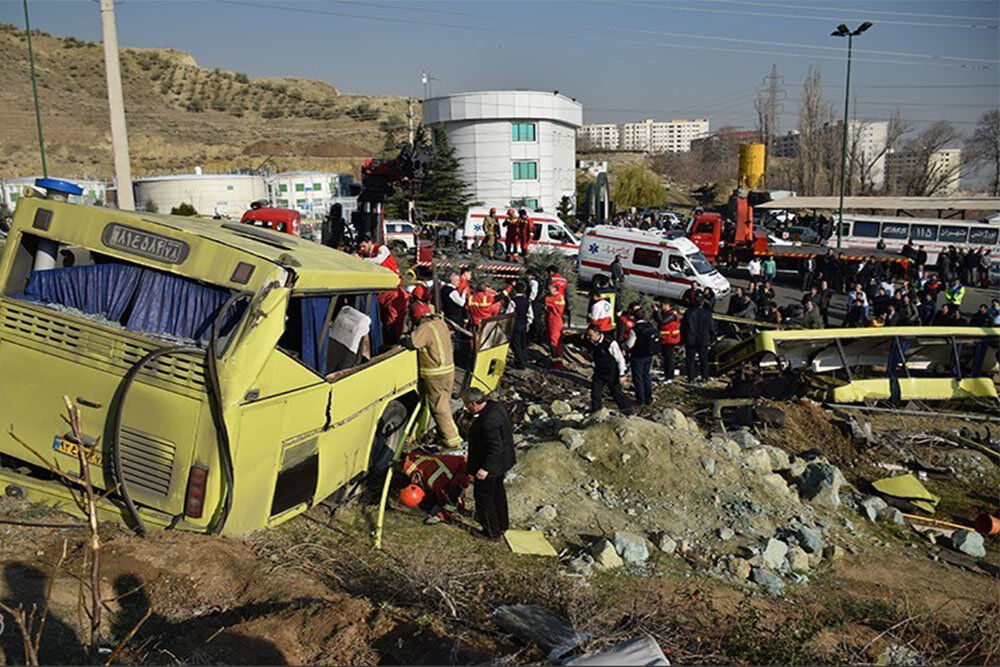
point(315, 589)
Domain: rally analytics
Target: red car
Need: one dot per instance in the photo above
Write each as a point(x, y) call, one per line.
point(282, 220)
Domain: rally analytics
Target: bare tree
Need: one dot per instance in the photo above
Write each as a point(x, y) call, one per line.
point(921, 169)
point(983, 148)
point(814, 118)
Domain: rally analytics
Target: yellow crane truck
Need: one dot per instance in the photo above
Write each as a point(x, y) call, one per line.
point(229, 377)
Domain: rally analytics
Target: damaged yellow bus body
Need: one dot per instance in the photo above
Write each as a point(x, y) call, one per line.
point(300, 398)
point(905, 363)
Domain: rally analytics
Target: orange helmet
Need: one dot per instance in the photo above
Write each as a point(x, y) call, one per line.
point(420, 309)
point(510, 213)
point(493, 210)
point(411, 496)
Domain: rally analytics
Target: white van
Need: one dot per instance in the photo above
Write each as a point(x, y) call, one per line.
point(549, 233)
point(652, 263)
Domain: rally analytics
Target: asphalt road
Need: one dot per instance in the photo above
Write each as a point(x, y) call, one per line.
point(786, 289)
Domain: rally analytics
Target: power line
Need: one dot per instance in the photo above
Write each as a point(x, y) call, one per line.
point(550, 35)
point(686, 35)
point(846, 9)
point(704, 10)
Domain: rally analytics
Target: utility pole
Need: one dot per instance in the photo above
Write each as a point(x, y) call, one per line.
point(410, 205)
point(843, 31)
point(116, 105)
point(34, 90)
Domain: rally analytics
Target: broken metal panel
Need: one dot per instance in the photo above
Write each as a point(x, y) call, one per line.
point(925, 356)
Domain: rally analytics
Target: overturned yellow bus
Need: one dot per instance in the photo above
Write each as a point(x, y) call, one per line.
point(229, 377)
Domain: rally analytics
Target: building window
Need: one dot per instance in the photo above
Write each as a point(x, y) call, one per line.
point(300, 187)
point(318, 187)
point(301, 203)
point(282, 203)
point(282, 187)
point(528, 204)
point(522, 131)
point(525, 170)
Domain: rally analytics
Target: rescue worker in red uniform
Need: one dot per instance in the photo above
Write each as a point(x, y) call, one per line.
point(557, 279)
point(601, 314)
point(512, 234)
point(378, 254)
point(526, 229)
point(625, 324)
point(555, 307)
point(482, 304)
point(443, 479)
point(669, 324)
point(394, 308)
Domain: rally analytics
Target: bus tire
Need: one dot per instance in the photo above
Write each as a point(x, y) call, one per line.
point(388, 433)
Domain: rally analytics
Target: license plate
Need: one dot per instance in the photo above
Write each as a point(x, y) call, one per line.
point(63, 446)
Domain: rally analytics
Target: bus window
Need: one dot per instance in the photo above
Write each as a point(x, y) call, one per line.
point(924, 232)
point(953, 234)
point(895, 230)
point(704, 228)
point(865, 229)
point(983, 235)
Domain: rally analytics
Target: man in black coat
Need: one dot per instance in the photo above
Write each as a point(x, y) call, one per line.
point(491, 455)
point(698, 333)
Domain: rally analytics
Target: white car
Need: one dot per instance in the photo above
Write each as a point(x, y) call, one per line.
point(399, 235)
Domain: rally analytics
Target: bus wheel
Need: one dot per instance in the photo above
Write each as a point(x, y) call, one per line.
point(388, 433)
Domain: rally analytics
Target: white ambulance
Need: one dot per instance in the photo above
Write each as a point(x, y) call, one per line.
point(549, 232)
point(652, 262)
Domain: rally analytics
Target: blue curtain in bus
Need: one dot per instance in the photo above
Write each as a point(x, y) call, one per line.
point(313, 347)
point(369, 305)
point(96, 289)
point(176, 306)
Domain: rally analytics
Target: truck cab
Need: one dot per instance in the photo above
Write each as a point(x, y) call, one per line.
point(281, 220)
point(229, 377)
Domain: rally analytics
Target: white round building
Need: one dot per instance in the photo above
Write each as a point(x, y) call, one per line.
point(517, 147)
point(225, 195)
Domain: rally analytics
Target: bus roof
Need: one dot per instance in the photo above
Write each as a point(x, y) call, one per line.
point(887, 203)
point(316, 267)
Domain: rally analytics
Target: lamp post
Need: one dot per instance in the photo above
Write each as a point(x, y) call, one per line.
point(843, 31)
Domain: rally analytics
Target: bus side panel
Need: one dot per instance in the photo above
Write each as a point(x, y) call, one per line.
point(358, 400)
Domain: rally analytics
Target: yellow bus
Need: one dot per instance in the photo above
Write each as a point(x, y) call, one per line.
point(229, 377)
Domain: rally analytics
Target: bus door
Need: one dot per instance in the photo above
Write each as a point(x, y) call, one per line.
point(490, 355)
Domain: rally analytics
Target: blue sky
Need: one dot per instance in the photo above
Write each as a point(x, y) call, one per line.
point(623, 60)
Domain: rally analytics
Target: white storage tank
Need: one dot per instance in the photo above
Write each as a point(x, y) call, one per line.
point(223, 195)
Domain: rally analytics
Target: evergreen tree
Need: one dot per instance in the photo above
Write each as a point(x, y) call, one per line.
point(444, 194)
point(565, 210)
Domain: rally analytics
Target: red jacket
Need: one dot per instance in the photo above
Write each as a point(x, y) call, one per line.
point(394, 304)
point(670, 329)
point(382, 256)
point(482, 305)
point(442, 476)
point(560, 283)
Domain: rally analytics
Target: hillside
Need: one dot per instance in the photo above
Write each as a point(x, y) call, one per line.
point(179, 114)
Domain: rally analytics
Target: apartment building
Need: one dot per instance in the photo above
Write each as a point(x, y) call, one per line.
point(673, 136)
point(943, 166)
point(599, 136)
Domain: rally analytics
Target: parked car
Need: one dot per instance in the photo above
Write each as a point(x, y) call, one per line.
point(399, 235)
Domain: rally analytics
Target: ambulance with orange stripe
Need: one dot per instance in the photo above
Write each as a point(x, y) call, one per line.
point(652, 262)
point(548, 235)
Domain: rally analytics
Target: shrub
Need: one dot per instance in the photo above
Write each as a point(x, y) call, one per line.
point(183, 209)
point(272, 111)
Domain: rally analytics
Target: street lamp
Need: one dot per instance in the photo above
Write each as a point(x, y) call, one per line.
point(843, 31)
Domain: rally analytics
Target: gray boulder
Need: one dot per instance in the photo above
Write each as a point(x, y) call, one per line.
point(708, 463)
point(820, 484)
point(726, 533)
point(873, 507)
point(809, 540)
point(969, 542)
point(560, 408)
point(598, 417)
point(666, 544)
point(535, 411)
point(767, 580)
point(631, 547)
point(746, 439)
point(757, 459)
point(572, 438)
point(605, 556)
point(673, 418)
point(774, 553)
point(546, 513)
point(779, 457)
